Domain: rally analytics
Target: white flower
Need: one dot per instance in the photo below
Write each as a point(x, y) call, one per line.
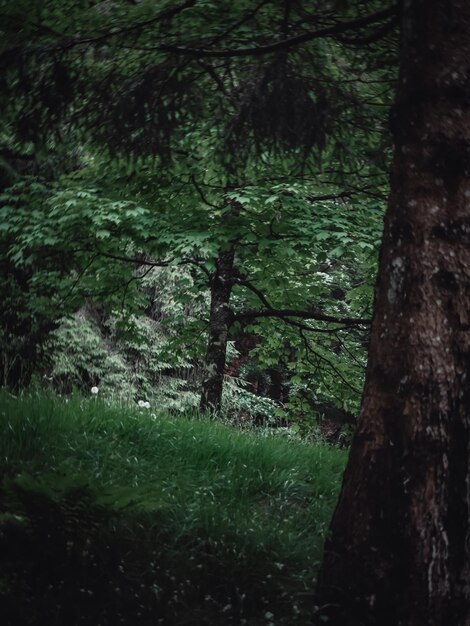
point(141, 403)
point(147, 405)
point(94, 390)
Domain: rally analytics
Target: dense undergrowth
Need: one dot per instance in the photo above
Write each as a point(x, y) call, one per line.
point(110, 515)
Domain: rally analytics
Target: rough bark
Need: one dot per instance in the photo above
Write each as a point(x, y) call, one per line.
point(221, 288)
point(399, 547)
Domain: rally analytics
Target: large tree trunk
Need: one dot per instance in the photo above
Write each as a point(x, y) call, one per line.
point(399, 548)
point(221, 288)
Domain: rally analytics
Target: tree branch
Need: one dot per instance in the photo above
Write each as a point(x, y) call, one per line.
point(312, 329)
point(328, 31)
point(307, 315)
point(332, 196)
point(375, 36)
point(166, 263)
point(245, 18)
point(134, 260)
point(320, 357)
point(201, 193)
point(166, 14)
point(259, 294)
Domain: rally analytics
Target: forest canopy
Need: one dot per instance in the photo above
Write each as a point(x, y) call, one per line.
point(239, 149)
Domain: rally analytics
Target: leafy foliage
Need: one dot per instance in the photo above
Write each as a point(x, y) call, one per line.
point(51, 262)
point(162, 121)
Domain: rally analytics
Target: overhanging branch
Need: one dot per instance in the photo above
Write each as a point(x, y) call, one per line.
point(328, 31)
point(166, 14)
point(373, 37)
point(306, 315)
point(142, 261)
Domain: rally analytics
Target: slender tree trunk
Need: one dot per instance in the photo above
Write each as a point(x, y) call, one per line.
point(221, 288)
point(399, 548)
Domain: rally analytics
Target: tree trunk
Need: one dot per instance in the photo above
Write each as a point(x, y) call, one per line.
point(399, 547)
point(221, 288)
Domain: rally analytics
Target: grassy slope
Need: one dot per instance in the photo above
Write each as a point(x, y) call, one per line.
point(170, 520)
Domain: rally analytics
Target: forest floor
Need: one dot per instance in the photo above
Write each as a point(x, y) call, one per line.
point(114, 515)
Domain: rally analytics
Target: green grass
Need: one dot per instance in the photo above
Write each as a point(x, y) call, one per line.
point(156, 521)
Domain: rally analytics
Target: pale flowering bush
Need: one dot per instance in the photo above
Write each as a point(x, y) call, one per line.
point(78, 356)
point(82, 353)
